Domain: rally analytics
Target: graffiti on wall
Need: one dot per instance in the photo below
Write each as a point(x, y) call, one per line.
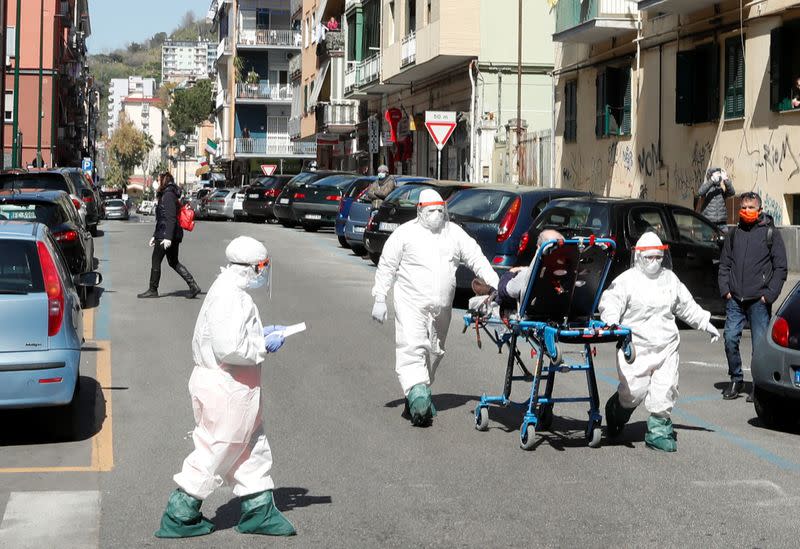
point(771, 207)
point(627, 158)
point(650, 159)
point(778, 157)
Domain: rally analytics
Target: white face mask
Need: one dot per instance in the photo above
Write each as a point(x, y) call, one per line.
point(382, 175)
point(652, 265)
point(432, 219)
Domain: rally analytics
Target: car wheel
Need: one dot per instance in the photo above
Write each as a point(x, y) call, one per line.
point(771, 409)
point(310, 227)
point(343, 242)
point(359, 250)
point(375, 257)
point(93, 230)
point(287, 224)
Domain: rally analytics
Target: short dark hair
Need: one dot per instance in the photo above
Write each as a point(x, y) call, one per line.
point(751, 196)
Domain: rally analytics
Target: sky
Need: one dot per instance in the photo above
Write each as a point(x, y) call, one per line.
point(117, 22)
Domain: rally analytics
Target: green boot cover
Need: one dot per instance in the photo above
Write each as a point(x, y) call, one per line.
point(260, 516)
point(420, 405)
point(182, 517)
point(616, 416)
point(660, 435)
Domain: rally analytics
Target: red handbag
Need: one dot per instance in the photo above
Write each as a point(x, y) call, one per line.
point(186, 218)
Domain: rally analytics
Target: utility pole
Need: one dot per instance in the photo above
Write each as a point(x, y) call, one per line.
point(519, 92)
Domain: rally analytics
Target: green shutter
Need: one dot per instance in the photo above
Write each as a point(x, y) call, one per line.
point(734, 78)
point(712, 100)
point(775, 69)
point(570, 111)
point(625, 128)
point(600, 111)
point(613, 107)
point(684, 87)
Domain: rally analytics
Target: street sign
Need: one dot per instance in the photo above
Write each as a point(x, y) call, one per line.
point(373, 133)
point(87, 165)
point(269, 169)
point(440, 126)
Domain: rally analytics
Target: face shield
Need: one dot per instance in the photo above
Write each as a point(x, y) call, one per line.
point(251, 260)
point(651, 256)
point(431, 210)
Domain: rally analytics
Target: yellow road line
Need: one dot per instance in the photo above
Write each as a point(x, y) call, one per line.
point(102, 442)
point(88, 324)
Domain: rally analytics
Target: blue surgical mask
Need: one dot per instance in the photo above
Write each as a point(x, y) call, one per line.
point(382, 175)
point(257, 281)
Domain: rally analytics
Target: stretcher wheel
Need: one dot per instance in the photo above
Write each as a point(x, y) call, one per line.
point(545, 417)
point(556, 359)
point(482, 418)
point(593, 435)
point(527, 437)
point(631, 356)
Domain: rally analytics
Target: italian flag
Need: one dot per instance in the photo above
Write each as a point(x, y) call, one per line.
point(211, 146)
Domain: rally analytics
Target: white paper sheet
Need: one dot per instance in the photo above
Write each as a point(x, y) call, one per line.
point(294, 329)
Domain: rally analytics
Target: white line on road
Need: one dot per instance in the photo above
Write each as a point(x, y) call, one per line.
point(709, 364)
point(67, 520)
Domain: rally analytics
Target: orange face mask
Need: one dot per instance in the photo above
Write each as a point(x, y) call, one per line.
point(748, 216)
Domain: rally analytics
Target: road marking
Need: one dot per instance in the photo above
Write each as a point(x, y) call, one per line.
point(65, 520)
point(88, 324)
point(709, 364)
point(103, 442)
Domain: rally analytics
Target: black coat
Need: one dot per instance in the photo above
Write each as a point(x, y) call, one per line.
point(748, 267)
point(167, 214)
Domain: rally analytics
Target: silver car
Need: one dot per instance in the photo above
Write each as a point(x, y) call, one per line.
point(116, 209)
point(220, 205)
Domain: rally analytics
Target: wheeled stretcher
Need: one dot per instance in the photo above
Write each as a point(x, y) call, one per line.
point(557, 308)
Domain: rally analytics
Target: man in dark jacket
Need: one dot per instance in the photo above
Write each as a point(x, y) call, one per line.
point(714, 190)
point(752, 271)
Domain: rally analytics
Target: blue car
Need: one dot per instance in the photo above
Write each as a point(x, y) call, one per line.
point(355, 221)
point(358, 187)
point(40, 351)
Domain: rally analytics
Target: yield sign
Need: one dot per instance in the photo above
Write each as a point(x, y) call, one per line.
point(440, 126)
point(268, 169)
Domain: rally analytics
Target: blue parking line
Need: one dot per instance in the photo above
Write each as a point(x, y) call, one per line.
point(101, 319)
point(743, 443)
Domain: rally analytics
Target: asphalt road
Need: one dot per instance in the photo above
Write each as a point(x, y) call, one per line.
point(350, 471)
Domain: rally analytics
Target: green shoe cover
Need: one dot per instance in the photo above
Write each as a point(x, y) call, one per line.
point(420, 405)
point(660, 435)
point(616, 416)
point(182, 517)
point(260, 516)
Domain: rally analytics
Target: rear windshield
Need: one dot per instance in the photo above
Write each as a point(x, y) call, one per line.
point(406, 196)
point(43, 212)
point(19, 267)
point(304, 178)
point(338, 181)
point(479, 205)
point(220, 194)
point(115, 203)
point(359, 187)
point(49, 181)
point(592, 216)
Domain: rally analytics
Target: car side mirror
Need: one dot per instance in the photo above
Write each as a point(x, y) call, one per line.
point(88, 279)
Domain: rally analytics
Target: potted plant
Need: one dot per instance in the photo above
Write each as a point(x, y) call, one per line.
point(253, 79)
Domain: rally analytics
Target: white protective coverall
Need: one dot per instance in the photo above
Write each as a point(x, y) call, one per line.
point(421, 258)
point(648, 304)
point(225, 386)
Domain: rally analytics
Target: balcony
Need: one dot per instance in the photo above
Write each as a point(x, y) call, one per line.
point(221, 98)
point(293, 127)
point(252, 37)
point(337, 116)
point(675, 6)
point(592, 21)
point(274, 145)
point(296, 66)
point(263, 92)
point(408, 49)
point(332, 45)
point(224, 48)
point(361, 75)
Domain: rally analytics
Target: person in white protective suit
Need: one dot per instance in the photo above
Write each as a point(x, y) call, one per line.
point(647, 298)
point(420, 258)
point(228, 347)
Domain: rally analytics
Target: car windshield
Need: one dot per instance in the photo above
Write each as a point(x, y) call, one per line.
point(43, 212)
point(479, 205)
point(564, 214)
point(338, 181)
point(220, 194)
point(19, 267)
point(115, 203)
point(49, 181)
point(406, 196)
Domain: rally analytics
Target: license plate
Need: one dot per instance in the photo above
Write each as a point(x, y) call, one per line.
point(313, 216)
point(284, 200)
point(358, 230)
point(252, 196)
point(387, 227)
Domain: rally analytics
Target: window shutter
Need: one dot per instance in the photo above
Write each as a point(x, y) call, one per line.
point(684, 87)
point(613, 106)
point(712, 100)
point(570, 111)
point(734, 78)
point(626, 102)
point(775, 66)
point(600, 116)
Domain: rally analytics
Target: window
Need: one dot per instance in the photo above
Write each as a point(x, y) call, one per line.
point(784, 67)
point(693, 230)
point(8, 115)
point(642, 220)
point(262, 18)
point(351, 38)
point(613, 101)
point(697, 85)
point(571, 111)
point(411, 16)
point(390, 23)
point(372, 26)
point(734, 78)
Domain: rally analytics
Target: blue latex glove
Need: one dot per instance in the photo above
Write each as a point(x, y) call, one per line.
point(273, 328)
point(273, 342)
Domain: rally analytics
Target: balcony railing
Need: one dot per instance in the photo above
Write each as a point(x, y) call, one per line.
point(293, 126)
point(339, 113)
point(249, 36)
point(296, 66)
point(263, 90)
point(222, 98)
point(332, 43)
point(224, 47)
point(362, 74)
point(274, 145)
point(408, 49)
point(571, 13)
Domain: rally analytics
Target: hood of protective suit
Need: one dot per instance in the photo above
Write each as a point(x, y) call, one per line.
point(249, 263)
point(431, 210)
point(649, 254)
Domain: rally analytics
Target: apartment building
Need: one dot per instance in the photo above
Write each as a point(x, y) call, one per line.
point(144, 113)
point(120, 88)
point(651, 94)
point(253, 93)
point(47, 103)
point(187, 60)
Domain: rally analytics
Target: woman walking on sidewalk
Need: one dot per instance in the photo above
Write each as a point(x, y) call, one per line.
point(167, 237)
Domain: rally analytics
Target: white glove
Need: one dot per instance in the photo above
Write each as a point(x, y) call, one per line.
point(716, 177)
point(152, 241)
point(724, 175)
point(712, 331)
point(379, 311)
point(166, 243)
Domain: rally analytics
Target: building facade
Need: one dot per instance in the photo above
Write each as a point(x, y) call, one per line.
point(651, 94)
point(253, 93)
point(120, 88)
point(187, 60)
point(146, 115)
point(49, 92)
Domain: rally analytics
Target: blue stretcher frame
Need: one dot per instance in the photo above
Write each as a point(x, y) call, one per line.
point(545, 338)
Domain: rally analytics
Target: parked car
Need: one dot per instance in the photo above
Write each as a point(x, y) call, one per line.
point(146, 207)
point(54, 181)
point(401, 206)
point(358, 214)
point(262, 195)
point(198, 201)
point(497, 217)
point(283, 205)
point(89, 195)
point(238, 203)
point(116, 209)
point(356, 190)
point(694, 242)
point(776, 367)
point(40, 362)
point(220, 204)
point(317, 204)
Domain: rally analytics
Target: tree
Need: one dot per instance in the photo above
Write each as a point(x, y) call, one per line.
point(190, 107)
point(165, 95)
point(114, 177)
point(126, 147)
